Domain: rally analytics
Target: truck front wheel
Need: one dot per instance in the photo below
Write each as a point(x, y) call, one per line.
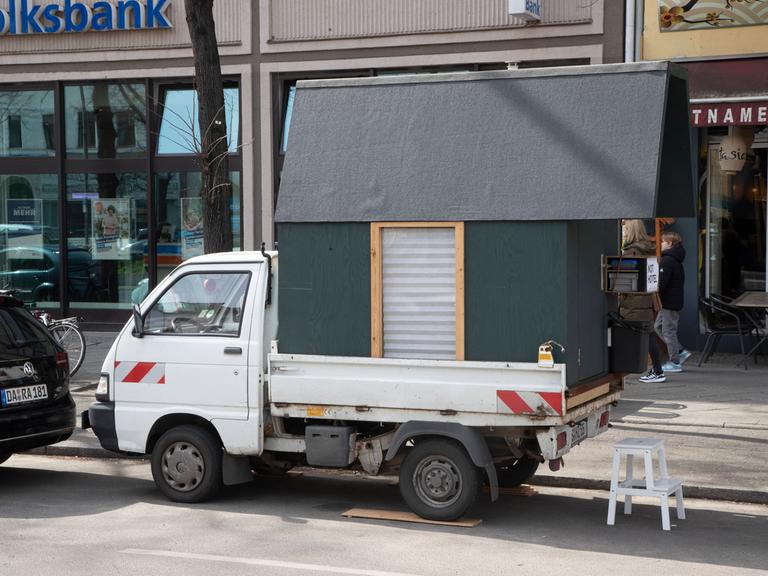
point(438, 480)
point(186, 464)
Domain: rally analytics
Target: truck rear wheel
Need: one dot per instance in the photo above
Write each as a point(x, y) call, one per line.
point(186, 464)
point(438, 480)
point(516, 472)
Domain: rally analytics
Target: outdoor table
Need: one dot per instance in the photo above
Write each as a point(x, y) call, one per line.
point(754, 300)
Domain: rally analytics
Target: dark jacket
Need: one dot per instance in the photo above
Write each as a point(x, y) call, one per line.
point(637, 307)
point(672, 278)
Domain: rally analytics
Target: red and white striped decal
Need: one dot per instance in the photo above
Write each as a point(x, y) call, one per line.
point(140, 372)
point(510, 402)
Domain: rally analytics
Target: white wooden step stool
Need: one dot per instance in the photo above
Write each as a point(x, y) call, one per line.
point(661, 487)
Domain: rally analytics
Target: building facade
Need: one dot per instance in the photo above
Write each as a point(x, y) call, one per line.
point(99, 181)
point(723, 46)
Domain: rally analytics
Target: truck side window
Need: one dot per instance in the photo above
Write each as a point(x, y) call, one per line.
point(200, 303)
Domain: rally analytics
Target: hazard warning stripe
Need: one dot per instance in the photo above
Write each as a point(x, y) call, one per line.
point(529, 402)
point(140, 372)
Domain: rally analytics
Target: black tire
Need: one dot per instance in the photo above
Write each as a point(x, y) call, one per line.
point(438, 480)
point(186, 464)
point(70, 338)
point(516, 472)
point(4, 456)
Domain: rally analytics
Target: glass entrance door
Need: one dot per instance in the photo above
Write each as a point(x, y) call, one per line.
point(737, 235)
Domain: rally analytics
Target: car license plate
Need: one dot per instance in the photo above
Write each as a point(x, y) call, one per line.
point(578, 432)
point(11, 396)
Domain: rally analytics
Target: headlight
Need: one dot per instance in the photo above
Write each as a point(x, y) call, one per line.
point(102, 390)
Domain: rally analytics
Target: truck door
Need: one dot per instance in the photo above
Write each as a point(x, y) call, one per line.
point(193, 353)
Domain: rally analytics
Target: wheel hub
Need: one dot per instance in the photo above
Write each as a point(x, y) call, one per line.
point(437, 481)
point(183, 466)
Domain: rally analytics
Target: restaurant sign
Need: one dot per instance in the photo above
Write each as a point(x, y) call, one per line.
point(684, 15)
point(24, 17)
point(729, 114)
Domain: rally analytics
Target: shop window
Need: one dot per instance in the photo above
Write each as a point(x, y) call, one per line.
point(29, 229)
point(105, 120)
point(417, 290)
point(22, 120)
point(179, 129)
point(108, 252)
point(737, 214)
point(180, 215)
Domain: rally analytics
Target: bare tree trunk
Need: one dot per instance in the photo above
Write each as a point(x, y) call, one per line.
point(217, 188)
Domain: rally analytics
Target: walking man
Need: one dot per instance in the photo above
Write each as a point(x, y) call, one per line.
point(671, 284)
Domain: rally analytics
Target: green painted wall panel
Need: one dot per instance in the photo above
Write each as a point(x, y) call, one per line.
point(325, 289)
point(516, 289)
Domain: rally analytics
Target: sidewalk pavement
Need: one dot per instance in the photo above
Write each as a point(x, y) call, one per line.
point(713, 419)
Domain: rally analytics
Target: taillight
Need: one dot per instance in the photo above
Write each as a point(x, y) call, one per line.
point(62, 360)
point(604, 417)
point(562, 440)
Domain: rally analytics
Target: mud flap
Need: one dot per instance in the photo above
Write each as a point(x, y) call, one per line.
point(235, 470)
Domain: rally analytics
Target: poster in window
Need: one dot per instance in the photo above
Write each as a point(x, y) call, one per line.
point(24, 229)
point(191, 227)
point(111, 225)
point(684, 15)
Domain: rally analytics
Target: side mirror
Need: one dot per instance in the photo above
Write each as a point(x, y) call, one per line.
point(138, 322)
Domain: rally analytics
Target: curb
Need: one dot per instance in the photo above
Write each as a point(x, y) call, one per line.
point(723, 426)
point(700, 492)
point(82, 452)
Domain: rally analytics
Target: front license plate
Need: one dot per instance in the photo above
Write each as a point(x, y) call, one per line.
point(34, 393)
point(578, 432)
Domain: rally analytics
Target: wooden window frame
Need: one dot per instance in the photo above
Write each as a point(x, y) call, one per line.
point(377, 290)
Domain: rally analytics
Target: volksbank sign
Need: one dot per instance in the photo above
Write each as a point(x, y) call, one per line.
point(35, 17)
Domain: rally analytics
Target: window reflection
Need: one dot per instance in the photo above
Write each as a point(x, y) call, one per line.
point(179, 130)
point(107, 238)
point(181, 223)
point(26, 123)
point(29, 237)
point(737, 226)
point(105, 120)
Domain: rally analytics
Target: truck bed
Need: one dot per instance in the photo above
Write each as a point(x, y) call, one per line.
point(395, 390)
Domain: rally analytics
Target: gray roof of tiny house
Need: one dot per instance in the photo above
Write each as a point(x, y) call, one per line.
point(585, 142)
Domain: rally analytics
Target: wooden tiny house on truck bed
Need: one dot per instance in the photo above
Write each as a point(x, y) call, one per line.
point(464, 216)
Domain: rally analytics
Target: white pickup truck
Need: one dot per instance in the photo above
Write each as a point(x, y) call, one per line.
point(196, 380)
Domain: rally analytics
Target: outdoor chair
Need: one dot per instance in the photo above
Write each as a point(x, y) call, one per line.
point(749, 316)
point(720, 319)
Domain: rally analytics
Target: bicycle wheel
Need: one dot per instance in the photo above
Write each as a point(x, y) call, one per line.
point(72, 340)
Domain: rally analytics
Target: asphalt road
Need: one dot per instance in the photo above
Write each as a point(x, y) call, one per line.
point(75, 516)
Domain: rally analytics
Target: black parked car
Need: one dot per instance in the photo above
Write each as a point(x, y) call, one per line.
point(36, 408)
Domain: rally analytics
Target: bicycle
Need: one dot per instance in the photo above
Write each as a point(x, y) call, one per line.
point(67, 333)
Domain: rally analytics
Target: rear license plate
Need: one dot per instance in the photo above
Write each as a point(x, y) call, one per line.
point(578, 432)
point(12, 396)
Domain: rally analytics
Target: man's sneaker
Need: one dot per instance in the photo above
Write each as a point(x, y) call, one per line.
point(653, 377)
point(672, 367)
point(684, 355)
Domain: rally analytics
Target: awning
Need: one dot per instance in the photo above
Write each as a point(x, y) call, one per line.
point(593, 142)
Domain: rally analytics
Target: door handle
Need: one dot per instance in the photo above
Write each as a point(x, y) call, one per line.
point(233, 350)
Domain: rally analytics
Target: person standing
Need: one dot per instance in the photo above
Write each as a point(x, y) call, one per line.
point(639, 307)
point(671, 284)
